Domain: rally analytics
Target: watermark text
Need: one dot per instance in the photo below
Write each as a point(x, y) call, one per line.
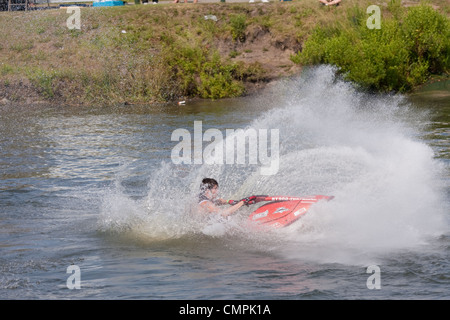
point(374, 21)
point(74, 20)
point(374, 281)
point(74, 280)
point(231, 150)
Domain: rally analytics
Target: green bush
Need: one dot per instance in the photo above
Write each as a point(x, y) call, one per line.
point(238, 25)
point(43, 81)
point(217, 80)
point(198, 71)
point(402, 54)
point(427, 35)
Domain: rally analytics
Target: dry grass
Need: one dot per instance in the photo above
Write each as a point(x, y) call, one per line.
point(140, 53)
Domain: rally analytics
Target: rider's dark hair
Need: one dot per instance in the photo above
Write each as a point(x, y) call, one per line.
point(208, 184)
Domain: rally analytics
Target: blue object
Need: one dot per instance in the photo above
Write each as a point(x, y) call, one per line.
point(108, 3)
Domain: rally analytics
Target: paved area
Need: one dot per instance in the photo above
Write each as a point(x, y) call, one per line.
point(131, 2)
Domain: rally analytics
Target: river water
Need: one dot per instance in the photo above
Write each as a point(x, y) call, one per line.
point(92, 197)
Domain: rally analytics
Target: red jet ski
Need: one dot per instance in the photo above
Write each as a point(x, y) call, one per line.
point(281, 211)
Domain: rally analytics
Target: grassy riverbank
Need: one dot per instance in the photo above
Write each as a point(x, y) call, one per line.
point(165, 52)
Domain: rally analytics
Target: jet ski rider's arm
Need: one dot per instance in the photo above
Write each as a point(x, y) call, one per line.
point(229, 211)
point(210, 207)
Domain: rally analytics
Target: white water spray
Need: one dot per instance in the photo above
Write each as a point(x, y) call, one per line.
point(363, 149)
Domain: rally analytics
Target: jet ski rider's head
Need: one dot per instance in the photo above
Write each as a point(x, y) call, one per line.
point(209, 188)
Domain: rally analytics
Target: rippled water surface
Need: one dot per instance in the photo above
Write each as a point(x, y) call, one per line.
point(97, 188)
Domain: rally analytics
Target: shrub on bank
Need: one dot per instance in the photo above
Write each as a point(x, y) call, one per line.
point(410, 46)
point(198, 71)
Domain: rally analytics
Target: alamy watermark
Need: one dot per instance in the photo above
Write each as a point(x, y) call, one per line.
point(231, 150)
point(374, 280)
point(374, 21)
point(74, 280)
point(74, 20)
